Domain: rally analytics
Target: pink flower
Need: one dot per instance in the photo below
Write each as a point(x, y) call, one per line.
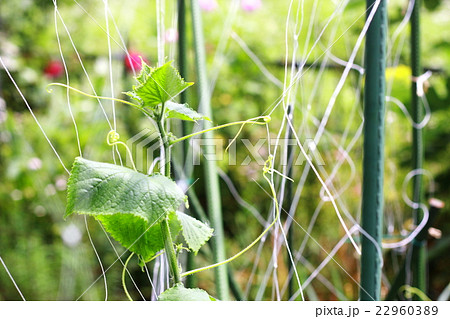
point(208, 5)
point(34, 163)
point(54, 69)
point(251, 5)
point(171, 35)
point(133, 61)
point(61, 183)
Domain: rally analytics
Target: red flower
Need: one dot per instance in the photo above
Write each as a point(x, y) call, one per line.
point(133, 61)
point(54, 69)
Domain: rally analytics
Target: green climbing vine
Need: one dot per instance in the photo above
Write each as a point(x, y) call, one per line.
point(142, 211)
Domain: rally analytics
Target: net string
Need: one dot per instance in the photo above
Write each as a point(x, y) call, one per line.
point(32, 114)
point(66, 72)
point(12, 279)
point(107, 12)
point(335, 168)
point(355, 50)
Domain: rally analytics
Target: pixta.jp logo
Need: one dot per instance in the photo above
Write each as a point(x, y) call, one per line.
point(146, 150)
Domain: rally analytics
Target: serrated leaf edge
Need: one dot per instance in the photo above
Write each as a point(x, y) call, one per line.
point(186, 105)
point(180, 285)
point(149, 75)
point(182, 232)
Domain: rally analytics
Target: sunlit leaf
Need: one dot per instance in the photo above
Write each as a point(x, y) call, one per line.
point(194, 231)
point(180, 293)
point(157, 85)
point(183, 112)
point(129, 204)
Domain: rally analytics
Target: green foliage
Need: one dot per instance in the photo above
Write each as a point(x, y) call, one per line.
point(195, 232)
point(157, 85)
point(96, 188)
point(136, 235)
point(129, 204)
point(180, 293)
point(183, 112)
point(432, 4)
point(136, 209)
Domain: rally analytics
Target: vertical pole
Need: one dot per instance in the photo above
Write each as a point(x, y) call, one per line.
point(373, 158)
point(182, 67)
point(288, 198)
point(419, 248)
point(182, 52)
point(211, 177)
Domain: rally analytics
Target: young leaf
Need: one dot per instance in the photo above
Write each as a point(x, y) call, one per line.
point(183, 112)
point(158, 85)
point(128, 203)
point(180, 293)
point(194, 231)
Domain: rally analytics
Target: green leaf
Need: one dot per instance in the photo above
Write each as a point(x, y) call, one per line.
point(136, 235)
point(183, 112)
point(194, 231)
point(129, 204)
point(157, 85)
point(180, 293)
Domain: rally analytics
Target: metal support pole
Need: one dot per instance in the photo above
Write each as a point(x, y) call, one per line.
point(373, 158)
point(211, 176)
point(419, 270)
point(182, 67)
point(288, 199)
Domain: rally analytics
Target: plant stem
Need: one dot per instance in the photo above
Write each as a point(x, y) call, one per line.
point(170, 251)
point(165, 230)
point(421, 296)
point(90, 95)
point(165, 140)
point(123, 277)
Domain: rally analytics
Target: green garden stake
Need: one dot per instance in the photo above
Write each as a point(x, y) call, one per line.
point(182, 66)
point(419, 250)
point(212, 179)
point(373, 158)
point(288, 199)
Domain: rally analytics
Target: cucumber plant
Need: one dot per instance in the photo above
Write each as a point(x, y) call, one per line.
point(142, 211)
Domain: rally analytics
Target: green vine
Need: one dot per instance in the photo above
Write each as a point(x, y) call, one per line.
point(138, 210)
point(124, 270)
point(411, 291)
point(266, 170)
